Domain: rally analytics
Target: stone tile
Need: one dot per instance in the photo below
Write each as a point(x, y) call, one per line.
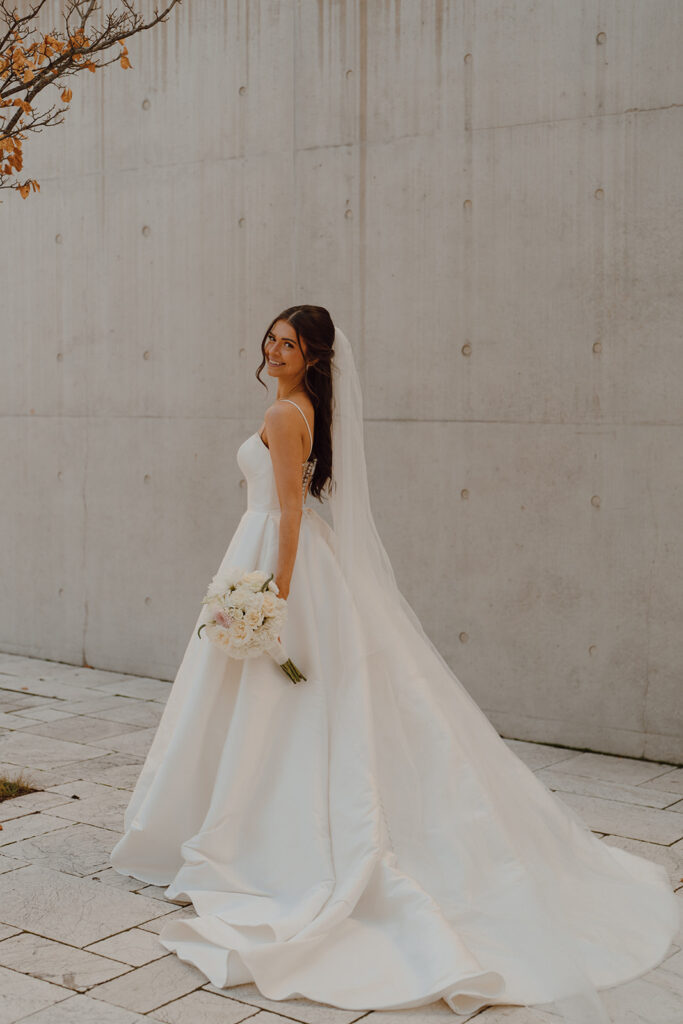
point(20, 664)
point(677, 807)
point(678, 938)
point(95, 704)
point(41, 778)
point(111, 759)
point(102, 811)
point(44, 778)
point(134, 947)
point(309, 1012)
point(81, 1009)
point(137, 742)
point(10, 720)
point(55, 962)
point(643, 1001)
point(26, 826)
point(9, 863)
point(627, 770)
point(17, 700)
point(670, 857)
point(17, 806)
point(157, 892)
point(672, 781)
point(42, 670)
point(124, 777)
point(537, 755)
point(110, 876)
point(266, 1017)
point(27, 750)
point(588, 786)
point(76, 849)
point(78, 729)
point(57, 689)
point(145, 988)
point(204, 1007)
point(157, 924)
point(673, 963)
point(667, 978)
point(22, 995)
point(140, 687)
point(620, 819)
point(94, 678)
point(142, 713)
point(500, 1015)
point(6, 930)
point(84, 789)
point(68, 909)
point(47, 714)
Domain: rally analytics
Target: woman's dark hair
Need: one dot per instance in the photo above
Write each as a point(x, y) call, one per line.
point(314, 324)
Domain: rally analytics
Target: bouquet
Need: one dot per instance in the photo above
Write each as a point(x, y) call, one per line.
point(248, 617)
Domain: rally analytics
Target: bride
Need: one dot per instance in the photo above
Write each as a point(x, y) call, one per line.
point(364, 838)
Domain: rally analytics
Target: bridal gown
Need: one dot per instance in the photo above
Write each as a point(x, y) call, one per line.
point(365, 838)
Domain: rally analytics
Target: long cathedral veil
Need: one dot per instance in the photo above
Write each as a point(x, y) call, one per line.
point(560, 955)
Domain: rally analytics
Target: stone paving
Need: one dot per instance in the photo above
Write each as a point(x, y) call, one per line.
point(78, 940)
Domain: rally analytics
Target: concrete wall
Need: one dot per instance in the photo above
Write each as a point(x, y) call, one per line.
point(487, 198)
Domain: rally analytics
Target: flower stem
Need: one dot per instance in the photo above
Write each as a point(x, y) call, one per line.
point(290, 669)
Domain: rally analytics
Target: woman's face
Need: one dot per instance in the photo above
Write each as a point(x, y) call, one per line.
point(284, 358)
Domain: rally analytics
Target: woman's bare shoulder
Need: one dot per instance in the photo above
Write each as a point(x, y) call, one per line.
point(282, 408)
point(282, 415)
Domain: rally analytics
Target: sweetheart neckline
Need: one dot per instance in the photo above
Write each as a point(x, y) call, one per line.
point(257, 433)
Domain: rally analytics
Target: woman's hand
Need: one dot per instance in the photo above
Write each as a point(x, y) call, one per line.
point(282, 590)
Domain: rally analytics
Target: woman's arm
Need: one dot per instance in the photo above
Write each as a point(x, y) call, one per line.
point(285, 443)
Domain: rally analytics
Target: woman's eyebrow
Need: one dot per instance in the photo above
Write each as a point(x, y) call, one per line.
point(293, 340)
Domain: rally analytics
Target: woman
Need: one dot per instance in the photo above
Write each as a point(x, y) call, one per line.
point(365, 838)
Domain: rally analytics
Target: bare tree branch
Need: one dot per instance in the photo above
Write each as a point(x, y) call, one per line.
point(31, 60)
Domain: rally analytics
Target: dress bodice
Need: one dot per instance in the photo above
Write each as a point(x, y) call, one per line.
point(254, 460)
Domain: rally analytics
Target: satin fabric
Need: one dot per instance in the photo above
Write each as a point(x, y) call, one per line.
point(365, 838)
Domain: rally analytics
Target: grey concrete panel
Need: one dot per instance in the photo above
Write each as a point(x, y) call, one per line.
point(514, 544)
point(42, 556)
point(546, 63)
point(164, 497)
point(530, 276)
point(486, 198)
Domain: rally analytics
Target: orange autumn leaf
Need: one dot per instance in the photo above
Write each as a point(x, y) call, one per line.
point(34, 59)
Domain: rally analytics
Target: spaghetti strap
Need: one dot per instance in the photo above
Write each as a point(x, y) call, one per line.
point(305, 420)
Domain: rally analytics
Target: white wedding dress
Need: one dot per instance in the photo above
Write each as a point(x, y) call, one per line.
point(365, 838)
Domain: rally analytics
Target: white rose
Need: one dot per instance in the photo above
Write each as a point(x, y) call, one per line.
point(243, 598)
point(253, 618)
point(254, 580)
point(239, 631)
point(231, 577)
